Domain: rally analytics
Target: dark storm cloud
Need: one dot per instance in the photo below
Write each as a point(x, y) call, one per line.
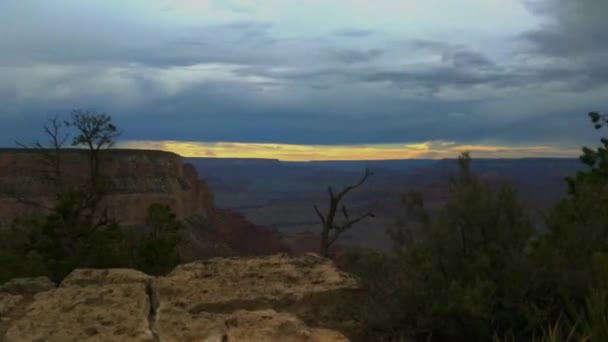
point(466, 58)
point(458, 55)
point(574, 35)
point(351, 56)
point(459, 66)
point(436, 76)
point(261, 85)
point(574, 28)
point(395, 122)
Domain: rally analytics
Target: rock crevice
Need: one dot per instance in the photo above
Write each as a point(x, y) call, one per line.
point(153, 303)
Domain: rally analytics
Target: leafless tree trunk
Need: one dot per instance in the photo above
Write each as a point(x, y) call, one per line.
point(50, 155)
point(331, 230)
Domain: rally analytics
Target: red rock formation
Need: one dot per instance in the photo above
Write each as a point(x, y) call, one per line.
point(245, 238)
point(139, 178)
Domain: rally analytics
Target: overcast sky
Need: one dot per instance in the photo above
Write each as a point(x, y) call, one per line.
point(358, 79)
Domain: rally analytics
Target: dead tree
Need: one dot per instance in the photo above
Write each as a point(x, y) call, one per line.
point(50, 160)
point(331, 230)
point(78, 207)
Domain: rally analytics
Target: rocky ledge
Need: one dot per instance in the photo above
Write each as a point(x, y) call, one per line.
point(216, 300)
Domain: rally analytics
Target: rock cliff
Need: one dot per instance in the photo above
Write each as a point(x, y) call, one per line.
point(139, 178)
point(255, 299)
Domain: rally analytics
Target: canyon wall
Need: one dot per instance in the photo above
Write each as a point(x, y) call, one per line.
point(139, 178)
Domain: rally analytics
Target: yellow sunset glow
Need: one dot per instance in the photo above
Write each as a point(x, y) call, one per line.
point(289, 152)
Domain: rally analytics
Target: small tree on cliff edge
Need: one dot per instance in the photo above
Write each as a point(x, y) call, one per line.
point(95, 132)
point(76, 222)
point(331, 230)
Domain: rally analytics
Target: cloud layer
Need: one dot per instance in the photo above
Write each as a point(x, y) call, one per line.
point(290, 152)
point(488, 73)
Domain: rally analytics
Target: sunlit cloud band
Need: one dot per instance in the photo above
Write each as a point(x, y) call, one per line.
point(289, 152)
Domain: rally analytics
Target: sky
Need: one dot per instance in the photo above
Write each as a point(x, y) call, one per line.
point(311, 79)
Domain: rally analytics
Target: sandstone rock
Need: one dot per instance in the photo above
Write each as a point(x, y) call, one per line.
point(242, 326)
point(25, 286)
point(90, 276)
point(8, 302)
point(9, 308)
point(16, 294)
point(222, 299)
point(278, 282)
point(299, 286)
point(245, 238)
point(111, 305)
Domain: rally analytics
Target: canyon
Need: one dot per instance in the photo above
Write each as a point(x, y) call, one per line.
point(138, 178)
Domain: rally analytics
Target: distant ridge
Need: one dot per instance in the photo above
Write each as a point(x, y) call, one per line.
point(232, 159)
point(372, 160)
point(84, 150)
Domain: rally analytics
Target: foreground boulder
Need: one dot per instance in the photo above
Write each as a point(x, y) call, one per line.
point(96, 305)
point(221, 299)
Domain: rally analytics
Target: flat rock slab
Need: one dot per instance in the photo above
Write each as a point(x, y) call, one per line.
point(79, 310)
point(16, 295)
point(241, 326)
point(217, 300)
point(228, 284)
point(94, 277)
point(8, 302)
point(9, 307)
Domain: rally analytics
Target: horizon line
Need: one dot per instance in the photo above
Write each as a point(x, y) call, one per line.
point(431, 150)
point(332, 153)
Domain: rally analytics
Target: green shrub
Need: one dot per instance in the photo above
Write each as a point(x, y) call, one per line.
point(158, 251)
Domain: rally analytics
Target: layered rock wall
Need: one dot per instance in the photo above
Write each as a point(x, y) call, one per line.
point(139, 178)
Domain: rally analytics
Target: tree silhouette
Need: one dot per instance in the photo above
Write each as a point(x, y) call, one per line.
point(331, 230)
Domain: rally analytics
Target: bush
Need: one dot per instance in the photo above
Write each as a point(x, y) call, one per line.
point(17, 257)
point(466, 265)
point(477, 271)
point(158, 253)
point(32, 248)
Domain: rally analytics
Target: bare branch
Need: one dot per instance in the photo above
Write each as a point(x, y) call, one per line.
point(330, 191)
point(345, 212)
point(320, 214)
point(50, 164)
point(328, 220)
point(339, 229)
point(346, 190)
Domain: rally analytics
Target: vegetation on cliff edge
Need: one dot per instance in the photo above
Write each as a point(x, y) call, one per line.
point(478, 271)
point(77, 230)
